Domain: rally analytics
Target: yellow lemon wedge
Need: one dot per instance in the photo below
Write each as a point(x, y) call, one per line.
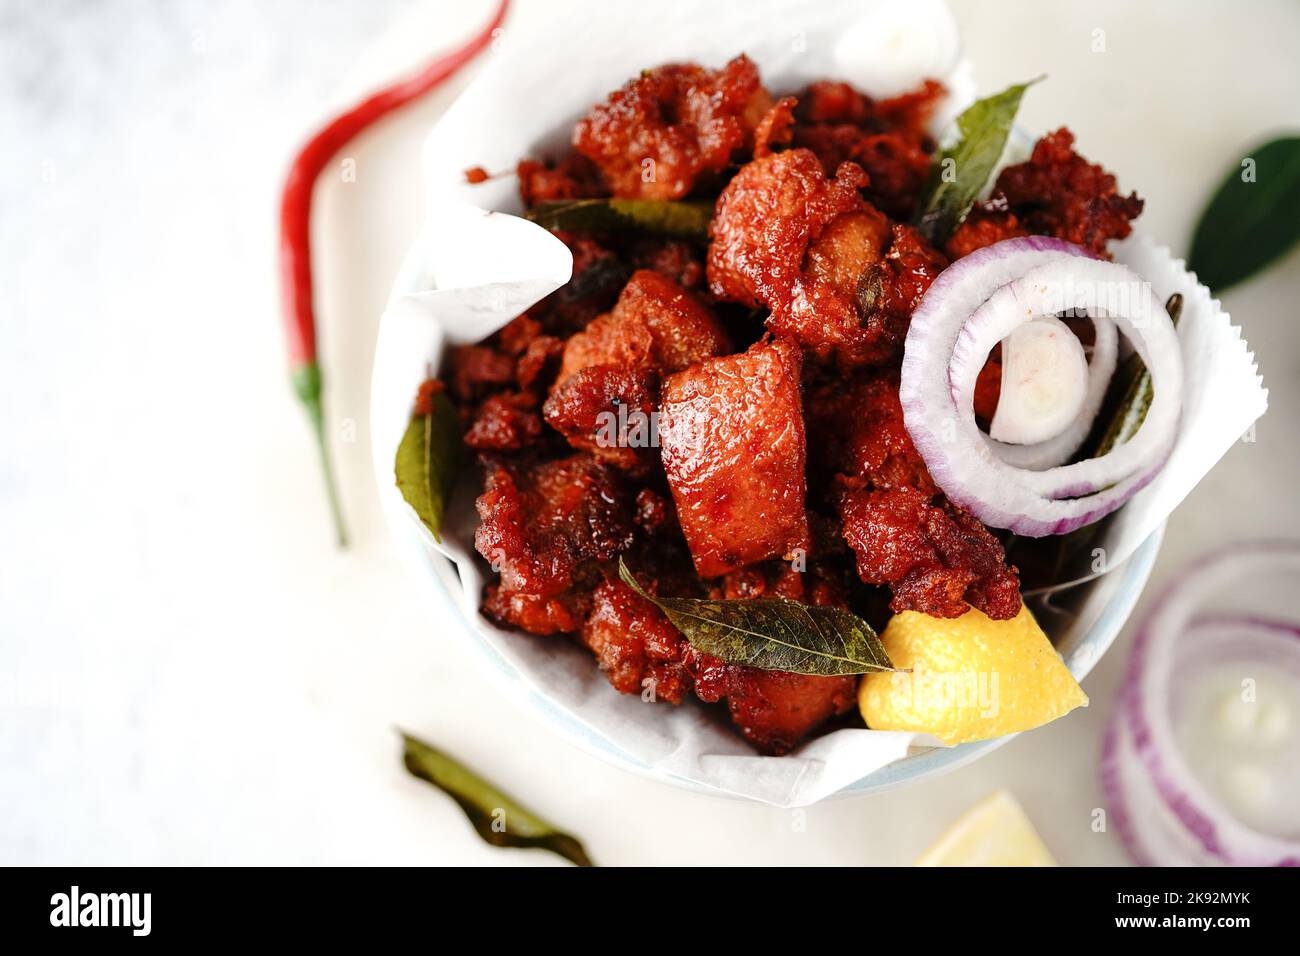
point(994, 832)
point(970, 678)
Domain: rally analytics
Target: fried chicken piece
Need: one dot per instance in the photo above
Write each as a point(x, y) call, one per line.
point(1055, 193)
point(540, 522)
point(539, 363)
point(672, 127)
point(856, 429)
point(636, 646)
point(987, 222)
point(609, 410)
point(936, 557)
point(775, 710)
point(475, 371)
point(559, 614)
point(675, 259)
point(506, 422)
point(765, 220)
point(655, 323)
point(573, 177)
point(835, 275)
point(732, 443)
point(888, 139)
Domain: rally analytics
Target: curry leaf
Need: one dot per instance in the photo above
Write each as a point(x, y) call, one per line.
point(959, 172)
point(686, 220)
point(428, 460)
point(774, 634)
point(497, 818)
point(1253, 218)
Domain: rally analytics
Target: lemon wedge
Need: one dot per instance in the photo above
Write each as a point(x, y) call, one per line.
point(971, 678)
point(994, 832)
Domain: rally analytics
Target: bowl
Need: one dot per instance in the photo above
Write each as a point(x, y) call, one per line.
point(409, 344)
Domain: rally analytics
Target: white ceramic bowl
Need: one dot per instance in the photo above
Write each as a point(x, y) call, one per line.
point(408, 345)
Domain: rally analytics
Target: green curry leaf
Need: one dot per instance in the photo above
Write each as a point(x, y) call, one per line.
point(428, 461)
point(1253, 217)
point(683, 219)
point(774, 634)
point(959, 172)
point(498, 818)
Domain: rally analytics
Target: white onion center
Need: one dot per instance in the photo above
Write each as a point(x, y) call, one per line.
point(1044, 382)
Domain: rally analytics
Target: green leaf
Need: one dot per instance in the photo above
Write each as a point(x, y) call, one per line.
point(959, 173)
point(497, 817)
point(685, 220)
point(774, 634)
point(428, 461)
point(1253, 218)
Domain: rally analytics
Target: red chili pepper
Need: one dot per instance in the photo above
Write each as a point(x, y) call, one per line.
point(295, 229)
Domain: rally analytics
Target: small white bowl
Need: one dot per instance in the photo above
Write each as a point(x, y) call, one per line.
point(409, 345)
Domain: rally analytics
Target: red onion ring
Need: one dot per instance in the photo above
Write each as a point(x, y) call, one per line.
point(1143, 767)
point(975, 303)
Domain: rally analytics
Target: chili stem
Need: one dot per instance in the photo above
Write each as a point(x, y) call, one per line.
point(306, 382)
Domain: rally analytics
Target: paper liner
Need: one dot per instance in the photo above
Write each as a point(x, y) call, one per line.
point(469, 273)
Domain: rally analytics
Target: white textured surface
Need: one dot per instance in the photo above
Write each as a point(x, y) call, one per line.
point(188, 671)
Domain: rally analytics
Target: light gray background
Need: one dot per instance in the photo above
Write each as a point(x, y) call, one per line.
point(189, 672)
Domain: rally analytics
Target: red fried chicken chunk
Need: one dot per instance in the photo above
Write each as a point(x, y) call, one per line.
point(773, 709)
point(732, 443)
point(672, 126)
point(636, 646)
point(540, 523)
point(936, 557)
point(606, 392)
point(610, 411)
point(856, 429)
point(1055, 193)
point(655, 323)
point(887, 138)
point(505, 422)
point(836, 276)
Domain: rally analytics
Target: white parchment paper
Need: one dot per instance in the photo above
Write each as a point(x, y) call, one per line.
point(471, 271)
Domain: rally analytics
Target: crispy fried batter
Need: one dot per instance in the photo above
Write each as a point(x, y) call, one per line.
point(835, 275)
point(856, 429)
point(774, 709)
point(655, 324)
point(573, 177)
point(506, 422)
point(1056, 192)
point(936, 557)
point(665, 131)
point(540, 522)
point(888, 139)
point(608, 410)
point(638, 649)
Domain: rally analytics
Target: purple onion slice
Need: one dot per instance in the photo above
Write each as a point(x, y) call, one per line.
point(1152, 789)
point(977, 302)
